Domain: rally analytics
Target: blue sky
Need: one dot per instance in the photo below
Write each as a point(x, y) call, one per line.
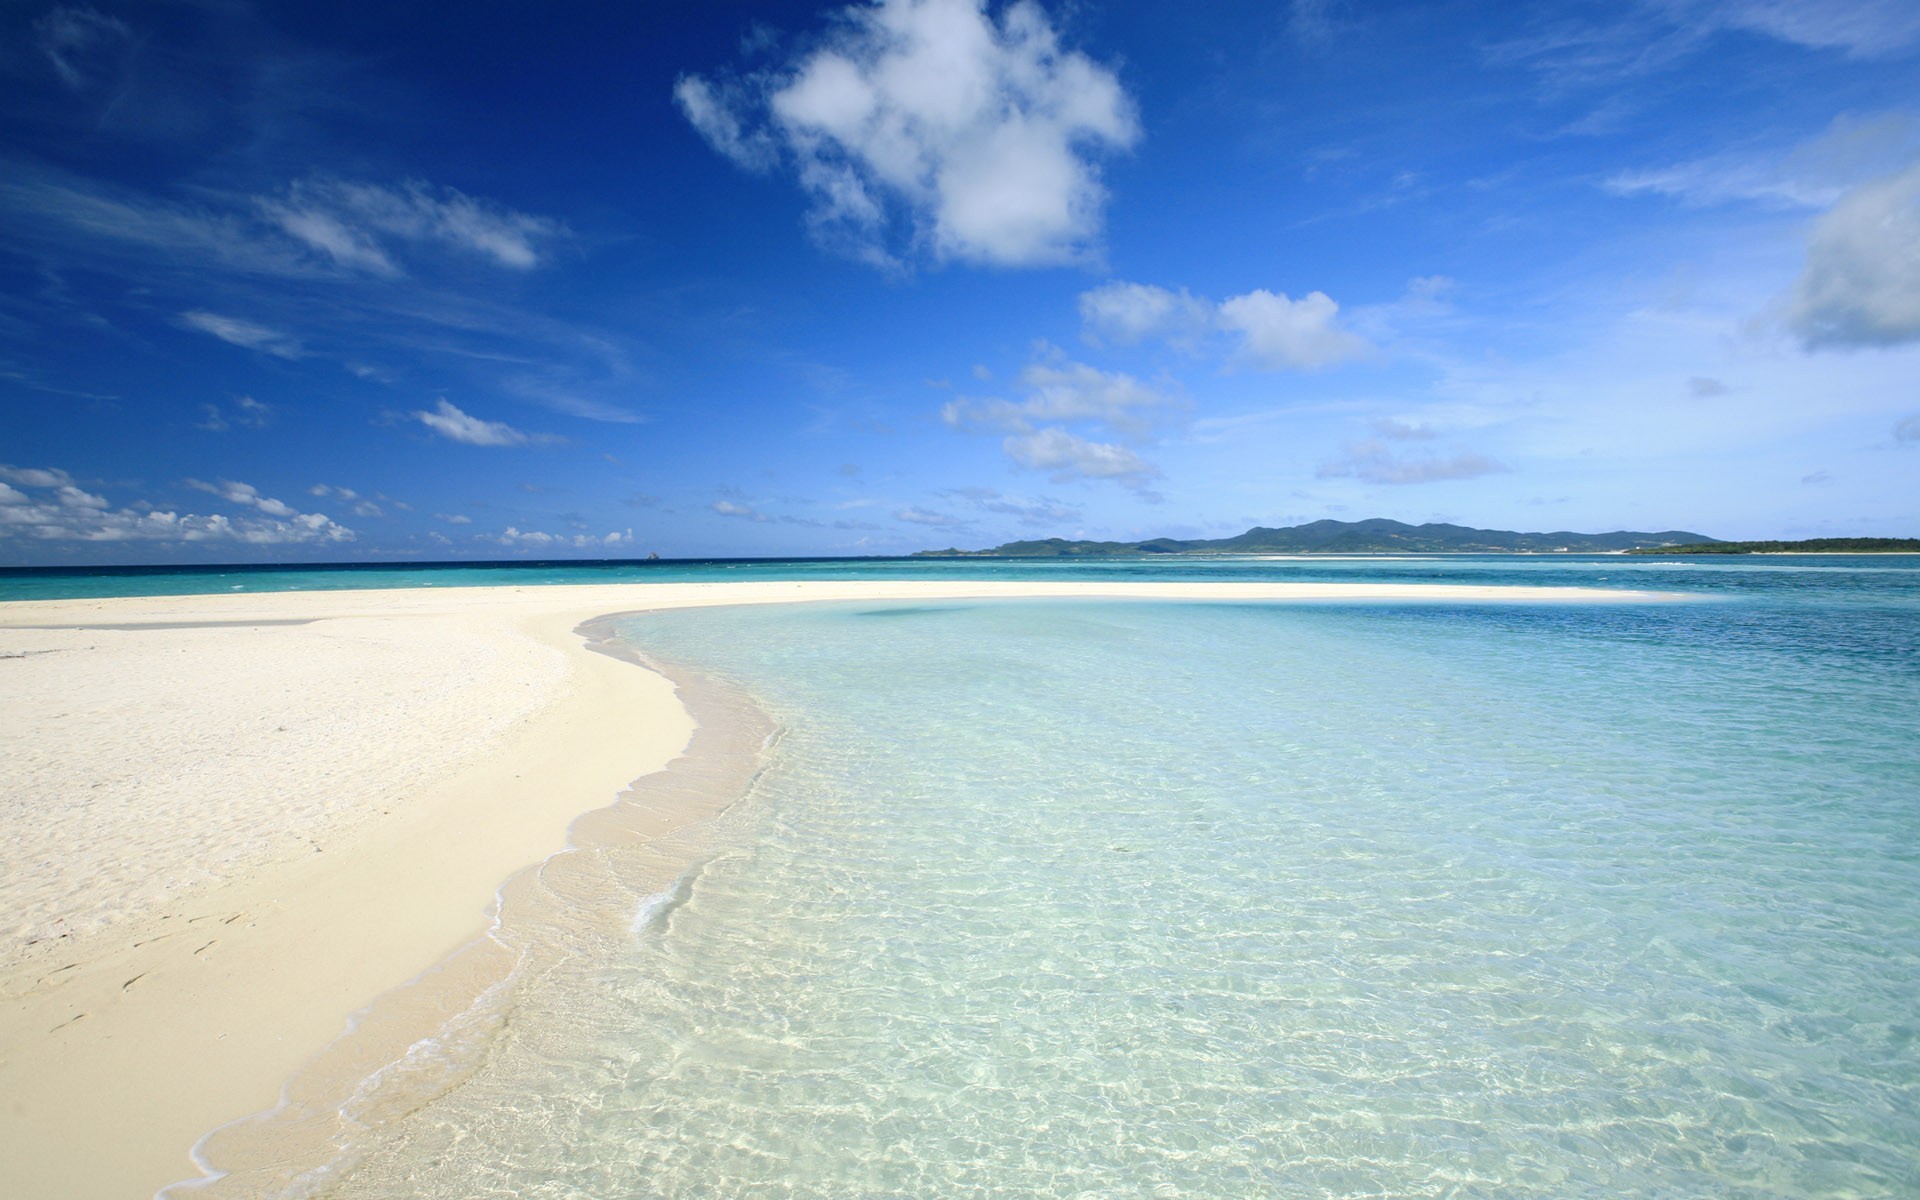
point(343, 281)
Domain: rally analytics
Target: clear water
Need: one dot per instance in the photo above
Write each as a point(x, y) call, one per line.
point(1122, 899)
point(1805, 574)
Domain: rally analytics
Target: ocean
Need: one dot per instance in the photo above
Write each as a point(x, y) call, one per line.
point(1157, 899)
point(1804, 575)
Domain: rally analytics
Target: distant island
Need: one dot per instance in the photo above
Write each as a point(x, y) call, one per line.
point(1808, 546)
point(1376, 536)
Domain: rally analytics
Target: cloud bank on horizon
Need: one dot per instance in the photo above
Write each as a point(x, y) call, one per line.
point(762, 280)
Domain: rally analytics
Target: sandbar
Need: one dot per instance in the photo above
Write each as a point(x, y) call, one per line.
point(228, 822)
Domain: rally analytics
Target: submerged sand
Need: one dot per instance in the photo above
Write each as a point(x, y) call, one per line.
point(229, 822)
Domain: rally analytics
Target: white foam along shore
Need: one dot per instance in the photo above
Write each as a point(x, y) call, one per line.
point(227, 822)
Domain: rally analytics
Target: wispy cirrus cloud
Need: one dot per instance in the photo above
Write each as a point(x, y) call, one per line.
point(1852, 150)
point(75, 40)
point(1311, 23)
point(733, 508)
point(1720, 180)
point(361, 226)
point(569, 396)
point(1858, 28)
point(384, 273)
point(1372, 461)
point(450, 422)
point(920, 516)
point(362, 506)
point(314, 226)
point(1029, 510)
point(931, 127)
point(244, 412)
point(245, 495)
point(246, 334)
point(1613, 44)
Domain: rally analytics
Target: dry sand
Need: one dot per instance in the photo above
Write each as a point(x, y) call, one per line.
point(228, 822)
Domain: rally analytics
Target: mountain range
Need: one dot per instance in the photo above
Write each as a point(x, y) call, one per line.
point(1375, 536)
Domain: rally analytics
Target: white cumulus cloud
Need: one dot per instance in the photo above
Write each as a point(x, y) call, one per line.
point(515, 536)
point(538, 539)
point(55, 509)
point(1060, 390)
point(980, 136)
point(1279, 332)
point(1068, 457)
point(1267, 330)
point(36, 477)
point(1126, 313)
point(1860, 285)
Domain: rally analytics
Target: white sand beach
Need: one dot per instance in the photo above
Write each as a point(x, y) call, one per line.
point(229, 822)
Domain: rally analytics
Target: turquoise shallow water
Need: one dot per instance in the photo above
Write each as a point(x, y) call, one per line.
point(1207, 900)
point(1841, 575)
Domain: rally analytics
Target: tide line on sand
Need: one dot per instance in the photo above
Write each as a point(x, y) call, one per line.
point(229, 822)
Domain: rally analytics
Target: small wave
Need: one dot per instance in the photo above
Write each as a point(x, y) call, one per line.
point(654, 910)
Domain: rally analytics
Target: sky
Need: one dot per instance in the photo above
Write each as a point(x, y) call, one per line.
point(401, 281)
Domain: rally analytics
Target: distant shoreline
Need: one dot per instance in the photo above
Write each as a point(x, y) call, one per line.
point(1817, 546)
point(1363, 554)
